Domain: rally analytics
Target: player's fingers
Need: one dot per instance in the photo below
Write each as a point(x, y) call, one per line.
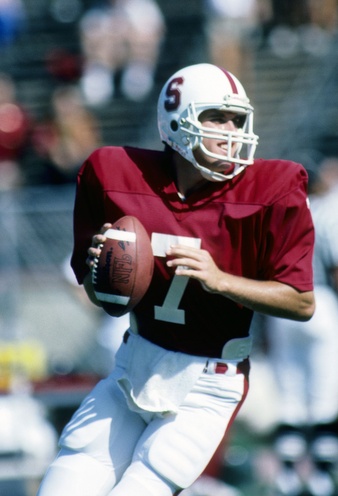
point(94, 251)
point(184, 264)
point(97, 240)
point(185, 251)
point(105, 227)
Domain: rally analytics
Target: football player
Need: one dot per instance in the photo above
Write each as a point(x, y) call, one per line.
point(230, 235)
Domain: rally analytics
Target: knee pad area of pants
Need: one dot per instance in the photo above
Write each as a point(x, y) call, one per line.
point(77, 474)
point(144, 481)
point(179, 453)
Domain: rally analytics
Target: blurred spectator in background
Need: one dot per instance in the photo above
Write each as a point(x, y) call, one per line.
point(329, 174)
point(324, 13)
point(64, 139)
point(65, 11)
point(305, 25)
point(63, 65)
point(123, 36)
point(229, 26)
point(291, 13)
point(63, 61)
point(15, 129)
point(12, 21)
point(304, 360)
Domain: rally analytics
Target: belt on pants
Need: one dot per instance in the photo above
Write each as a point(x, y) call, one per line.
point(230, 369)
point(213, 366)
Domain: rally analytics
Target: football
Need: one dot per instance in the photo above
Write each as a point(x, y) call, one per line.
point(122, 273)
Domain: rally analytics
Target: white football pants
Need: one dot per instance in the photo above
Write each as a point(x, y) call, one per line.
point(109, 450)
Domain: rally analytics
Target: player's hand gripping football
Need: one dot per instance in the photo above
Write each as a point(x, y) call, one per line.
point(96, 246)
point(197, 264)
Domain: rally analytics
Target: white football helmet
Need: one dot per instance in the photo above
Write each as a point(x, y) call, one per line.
point(191, 91)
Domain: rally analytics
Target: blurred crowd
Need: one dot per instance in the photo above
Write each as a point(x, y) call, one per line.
point(120, 48)
point(120, 45)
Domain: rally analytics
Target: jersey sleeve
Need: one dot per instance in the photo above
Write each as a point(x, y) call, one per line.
point(290, 239)
point(88, 217)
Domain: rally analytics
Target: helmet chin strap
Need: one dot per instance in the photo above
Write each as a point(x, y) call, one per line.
point(208, 174)
point(213, 175)
point(218, 176)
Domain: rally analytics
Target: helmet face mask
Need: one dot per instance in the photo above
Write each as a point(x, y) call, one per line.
point(181, 104)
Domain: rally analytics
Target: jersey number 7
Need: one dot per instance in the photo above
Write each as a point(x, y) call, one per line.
point(169, 311)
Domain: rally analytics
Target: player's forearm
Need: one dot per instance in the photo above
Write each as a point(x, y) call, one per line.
point(268, 297)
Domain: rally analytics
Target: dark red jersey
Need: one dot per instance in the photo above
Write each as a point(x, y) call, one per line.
point(257, 225)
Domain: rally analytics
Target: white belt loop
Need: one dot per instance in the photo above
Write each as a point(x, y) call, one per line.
point(210, 368)
point(232, 369)
point(237, 349)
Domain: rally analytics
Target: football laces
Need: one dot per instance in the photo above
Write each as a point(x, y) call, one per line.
point(95, 265)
